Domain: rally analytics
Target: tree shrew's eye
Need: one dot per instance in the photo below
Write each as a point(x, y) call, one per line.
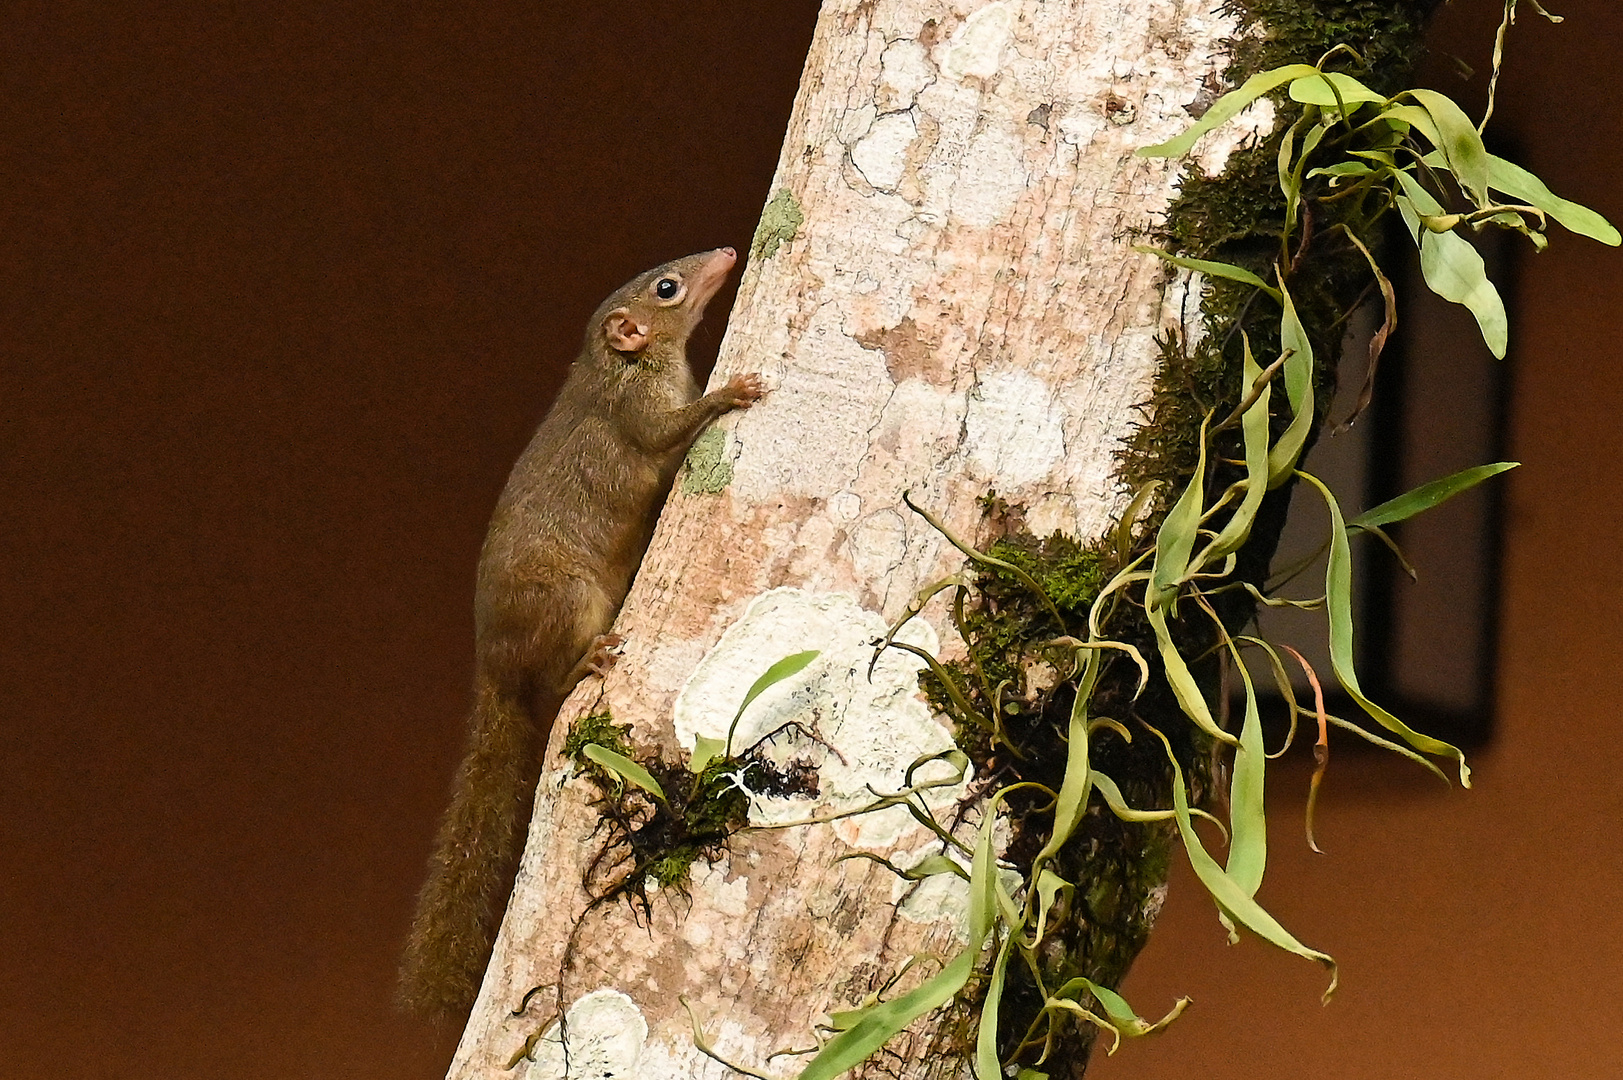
point(666, 288)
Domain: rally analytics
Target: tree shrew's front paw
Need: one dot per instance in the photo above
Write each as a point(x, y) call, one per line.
point(600, 658)
point(746, 390)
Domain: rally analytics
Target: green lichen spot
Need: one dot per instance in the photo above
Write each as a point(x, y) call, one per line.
point(708, 470)
point(780, 222)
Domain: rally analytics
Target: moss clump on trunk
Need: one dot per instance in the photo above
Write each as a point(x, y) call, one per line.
point(1010, 672)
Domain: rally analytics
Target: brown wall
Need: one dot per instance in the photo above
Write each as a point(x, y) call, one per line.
point(282, 298)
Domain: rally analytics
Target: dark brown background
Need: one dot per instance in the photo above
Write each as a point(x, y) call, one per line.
point(281, 298)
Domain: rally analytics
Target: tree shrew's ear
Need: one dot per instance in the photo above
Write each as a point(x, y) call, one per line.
point(624, 334)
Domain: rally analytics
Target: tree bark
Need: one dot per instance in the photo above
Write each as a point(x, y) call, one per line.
point(944, 300)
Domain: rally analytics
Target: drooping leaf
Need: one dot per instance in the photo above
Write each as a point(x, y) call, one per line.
point(1175, 540)
point(1233, 900)
point(987, 1065)
point(1459, 141)
point(1072, 800)
point(1515, 181)
point(1119, 1020)
point(1112, 795)
point(1125, 1019)
point(1248, 849)
point(1184, 686)
point(1453, 269)
point(1387, 744)
point(1254, 427)
point(1518, 183)
point(1338, 606)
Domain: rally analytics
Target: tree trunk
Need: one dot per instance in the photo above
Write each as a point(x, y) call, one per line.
point(944, 298)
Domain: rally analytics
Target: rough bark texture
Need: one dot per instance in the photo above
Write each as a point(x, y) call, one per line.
point(944, 298)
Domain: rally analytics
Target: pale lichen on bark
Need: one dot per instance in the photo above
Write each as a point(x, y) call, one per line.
point(952, 306)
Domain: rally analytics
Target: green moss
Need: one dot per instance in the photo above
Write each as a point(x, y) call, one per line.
point(597, 729)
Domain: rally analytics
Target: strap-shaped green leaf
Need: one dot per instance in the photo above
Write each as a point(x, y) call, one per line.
point(1072, 801)
point(1518, 183)
point(857, 1043)
point(1119, 1019)
point(625, 768)
point(793, 664)
point(1427, 495)
point(1183, 684)
point(1343, 168)
point(1107, 788)
point(1248, 850)
point(875, 1025)
point(1175, 540)
point(1287, 451)
point(1324, 88)
point(1227, 107)
point(1409, 116)
point(1254, 427)
point(987, 1065)
point(1212, 269)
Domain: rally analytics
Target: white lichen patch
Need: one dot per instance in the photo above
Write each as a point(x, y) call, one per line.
point(938, 899)
point(976, 47)
point(881, 154)
point(1014, 429)
point(859, 734)
point(904, 70)
point(606, 1032)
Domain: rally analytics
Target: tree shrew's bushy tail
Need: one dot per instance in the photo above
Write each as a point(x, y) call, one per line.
point(475, 859)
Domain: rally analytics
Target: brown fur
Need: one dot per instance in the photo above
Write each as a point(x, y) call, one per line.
point(567, 536)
